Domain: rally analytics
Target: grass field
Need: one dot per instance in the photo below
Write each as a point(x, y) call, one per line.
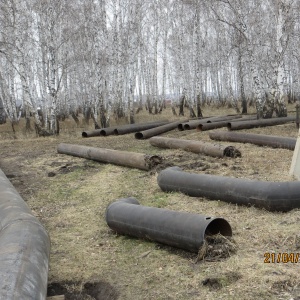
point(89, 261)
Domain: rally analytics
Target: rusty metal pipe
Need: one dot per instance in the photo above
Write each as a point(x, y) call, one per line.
point(178, 229)
point(259, 123)
point(129, 129)
point(215, 125)
point(122, 158)
point(156, 131)
point(24, 248)
point(193, 124)
point(257, 139)
point(273, 196)
point(215, 150)
point(122, 129)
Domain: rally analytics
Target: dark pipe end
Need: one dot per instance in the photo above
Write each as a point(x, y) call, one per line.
point(84, 134)
point(180, 127)
point(102, 133)
point(116, 132)
point(209, 121)
point(229, 126)
point(199, 127)
point(218, 225)
point(139, 135)
point(231, 151)
point(186, 127)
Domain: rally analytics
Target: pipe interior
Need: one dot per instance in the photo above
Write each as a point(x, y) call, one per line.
point(84, 134)
point(218, 225)
point(116, 132)
point(103, 133)
point(186, 127)
point(139, 135)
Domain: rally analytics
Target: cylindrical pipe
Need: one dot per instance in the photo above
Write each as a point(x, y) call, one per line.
point(259, 123)
point(122, 158)
point(193, 124)
point(273, 196)
point(257, 139)
point(122, 129)
point(195, 146)
point(214, 125)
point(138, 127)
point(24, 248)
point(178, 229)
point(155, 131)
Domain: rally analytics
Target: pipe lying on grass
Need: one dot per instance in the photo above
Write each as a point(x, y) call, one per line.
point(178, 229)
point(24, 248)
point(156, 131)
point(257, 139)
point(193, 124)
point(122, 158)
point(122, 129)
point(195, 146)
point(259, 123)
point(273, 196)
point(215, 125)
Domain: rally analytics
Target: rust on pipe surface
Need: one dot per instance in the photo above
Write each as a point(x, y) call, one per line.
point(178, 229)
point(215, 125)
point(259, 123)
point(195, 147)
point(24, 248)
point(273, 196)
point(122, 158)
point(122, 128)
point(257, 139)
point(156, 131)
point(193, 124)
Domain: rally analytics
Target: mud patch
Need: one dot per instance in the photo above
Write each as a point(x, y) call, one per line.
point(216, 283)
point(99, 290)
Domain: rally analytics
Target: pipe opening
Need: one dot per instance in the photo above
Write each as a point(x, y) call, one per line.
point(218, 225)
point(209, 121)
point(139, 135)
point(84, 134)
point(231, 151)
point(229, 126)
point(180, 127)
point(199, 127)
point(103, 133)
point(116, 132)
point(186, 127)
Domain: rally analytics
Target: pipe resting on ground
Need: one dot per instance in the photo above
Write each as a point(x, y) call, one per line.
point(24, 248)
point(179, 229)
point(273, 196)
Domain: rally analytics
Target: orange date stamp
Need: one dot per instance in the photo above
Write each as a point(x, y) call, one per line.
point(284, 257)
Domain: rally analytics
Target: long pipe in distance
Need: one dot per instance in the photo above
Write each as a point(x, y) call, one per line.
point(215, 125)
point(178, 229)
point(259, 123)
point(24, 248)
point(195, 146)
point(273, 196)
point(121, 129)
point(122, 158)
point(273, 141)
point(156, 131)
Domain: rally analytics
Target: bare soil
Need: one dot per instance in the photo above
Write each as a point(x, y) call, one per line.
point(69, 195)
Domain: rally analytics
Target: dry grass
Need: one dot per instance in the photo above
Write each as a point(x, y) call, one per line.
point(84, 250)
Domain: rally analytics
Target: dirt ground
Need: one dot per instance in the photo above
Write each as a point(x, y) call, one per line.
point(69, 195)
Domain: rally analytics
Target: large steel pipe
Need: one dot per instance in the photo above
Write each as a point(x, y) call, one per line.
point(195, 146)
point(259, 123)
point(215, 125)
point(193, 124)
point(273, 196)
point(122, 129)
point(257, 139)
point(122, 158)
point(156, 131)
point(138, 127)
point(178, 229)
point(24, 248)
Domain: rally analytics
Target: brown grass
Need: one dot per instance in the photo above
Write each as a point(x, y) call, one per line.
point(84, 250)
